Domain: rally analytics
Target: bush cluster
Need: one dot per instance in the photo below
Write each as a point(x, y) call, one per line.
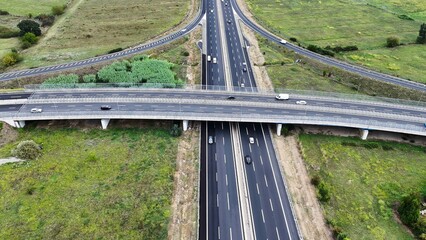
point(3, 12)
point(338, 49)
point(46, 20)
point(141, 69)
point(58, 10)
point(322, 51)
point(175, 131)
point(29, 26)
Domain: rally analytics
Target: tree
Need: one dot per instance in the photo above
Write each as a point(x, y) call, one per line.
point(58, 10)
point(421, 39)
point(392, 42)
point(409, 210)
point(28, 150)
point(29, 26)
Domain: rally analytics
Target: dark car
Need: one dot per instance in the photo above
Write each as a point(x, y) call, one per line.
point(247, 158)
point(244, 69)
point(230, 98)
point(105, 107)
point(229, 21)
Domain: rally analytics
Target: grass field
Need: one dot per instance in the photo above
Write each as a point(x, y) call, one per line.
point(285, 73)
point(7, 44)
point(95, 27)
point(364, 183)
point(25, 7)
point(90, 184)
point(365, 24)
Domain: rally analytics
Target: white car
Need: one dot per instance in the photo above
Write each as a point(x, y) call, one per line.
point(210, 140)
point(209, 58)
point(214, 60)
point(301, 102)
point(283, 41)
point(282, 96)
point(36, 110)
point(251, 140)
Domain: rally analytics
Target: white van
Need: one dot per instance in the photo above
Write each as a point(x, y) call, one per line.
point(214, 60)
point(209, 58)
point(282, 96)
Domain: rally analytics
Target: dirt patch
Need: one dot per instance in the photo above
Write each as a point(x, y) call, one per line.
point(305, 204)
point(183, 224)
point(257, 60)
point(193, 71)
point(7, 134)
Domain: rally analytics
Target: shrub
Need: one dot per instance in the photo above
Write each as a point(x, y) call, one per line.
point(27, 150)
point(25, 44)
point(115, 50)
point(11, 59)
point(58, 10)
point(409, 210)
point(392, 42)
point(89, 78)
point(185, 53)
point(2, 12)
point(324, 192)
point(293, 39)
point(29, 26)
point(46, 20)
point(30, 38)
point(175, 131)
point(315, 180)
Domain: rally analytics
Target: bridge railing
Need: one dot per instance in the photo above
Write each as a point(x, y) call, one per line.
point(186, 87)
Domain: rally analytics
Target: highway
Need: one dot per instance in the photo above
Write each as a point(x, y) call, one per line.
point(327, 60)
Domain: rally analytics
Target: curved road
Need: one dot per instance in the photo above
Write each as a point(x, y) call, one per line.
point(330, 61)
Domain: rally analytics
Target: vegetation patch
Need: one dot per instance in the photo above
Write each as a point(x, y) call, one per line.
point(364, 182)
point(140, 70)
point(365, 24)
point(89, 184)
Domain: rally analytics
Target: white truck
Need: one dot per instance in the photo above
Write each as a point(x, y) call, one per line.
point(282, 96)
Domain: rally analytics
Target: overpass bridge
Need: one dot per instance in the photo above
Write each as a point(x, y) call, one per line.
point(214, 105)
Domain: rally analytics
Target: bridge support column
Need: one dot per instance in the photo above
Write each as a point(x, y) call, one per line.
point(279, 127)
point(364, 134)
point(185, 125)
point(105, 123)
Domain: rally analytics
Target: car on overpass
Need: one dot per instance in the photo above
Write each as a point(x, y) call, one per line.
point(36, 110)
point(301, 102)
point(105, 107)
point(282, 96)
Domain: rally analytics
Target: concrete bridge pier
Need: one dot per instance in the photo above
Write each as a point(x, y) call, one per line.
point(185, 125)
point(105, 123)
point(16, 124)
point(364, 134)
point(279, 127)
